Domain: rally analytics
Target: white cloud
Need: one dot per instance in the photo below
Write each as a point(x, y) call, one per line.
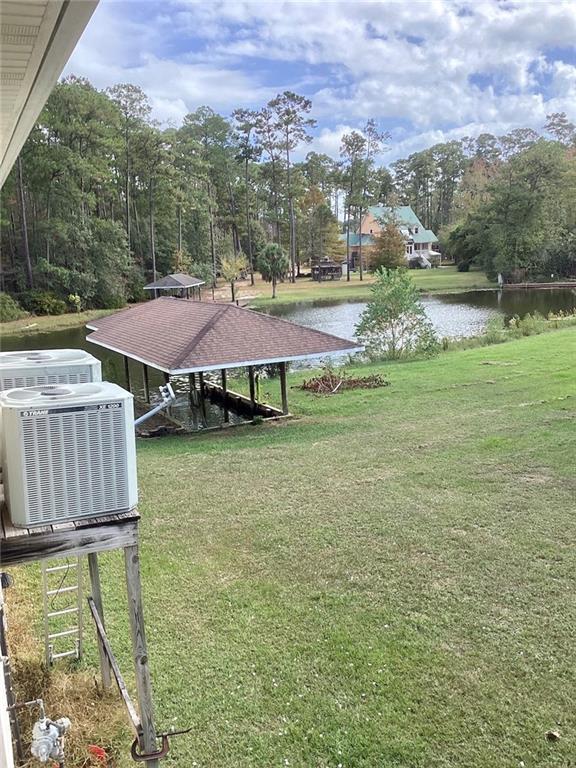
point(406, 64)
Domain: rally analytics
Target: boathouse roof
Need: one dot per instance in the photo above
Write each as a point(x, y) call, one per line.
point(176, 280)
point(178, 336)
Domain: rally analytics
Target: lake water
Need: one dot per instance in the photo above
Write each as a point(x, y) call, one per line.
point(457, 315)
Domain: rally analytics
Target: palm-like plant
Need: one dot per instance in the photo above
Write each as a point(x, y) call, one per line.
point(273, 265)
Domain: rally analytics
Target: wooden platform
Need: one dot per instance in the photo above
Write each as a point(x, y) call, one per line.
point(81, 537)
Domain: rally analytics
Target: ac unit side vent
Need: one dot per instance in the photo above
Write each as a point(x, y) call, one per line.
point(70, 377)
point(75, 464)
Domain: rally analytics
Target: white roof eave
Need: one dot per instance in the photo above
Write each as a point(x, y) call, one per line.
point(53, 37)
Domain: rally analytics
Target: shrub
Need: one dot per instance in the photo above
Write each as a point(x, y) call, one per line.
point(43, 303)
point(394, 324)
point(10, 309)
point(463, 266)
point(495, 331)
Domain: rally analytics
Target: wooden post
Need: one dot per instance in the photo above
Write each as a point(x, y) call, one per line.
point(225, 396)
point(97, 597)
point(146, 384)
point(143, 683)
point(202, 397)
point(192, 388)
point(252, 387)
point(127, 373)
point(284, 388)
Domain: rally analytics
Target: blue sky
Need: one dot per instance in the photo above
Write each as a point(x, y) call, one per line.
point(425, 71)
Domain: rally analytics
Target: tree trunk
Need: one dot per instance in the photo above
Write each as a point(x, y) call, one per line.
point(127, 188)
point(248, 225)
point(212, 243)
point(274, 287)
point(275, 195)
point(360, 245)
point(24, 227)
point(233, 289)
point(348, 244)
point(292, 223)
point(152, 238)
point(179, 230)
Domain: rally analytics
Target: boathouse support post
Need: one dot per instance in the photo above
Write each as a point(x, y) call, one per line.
point(97, 597)
point(225, 395)
point(202, 397)
point(284, 388)
point(252, 384)
point(127, 373)
point(146, 382)
point(143, 682)
point(192, 388)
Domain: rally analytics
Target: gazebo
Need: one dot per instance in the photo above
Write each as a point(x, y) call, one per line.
point(178, 284)
point(326, 270)
point(179, 338)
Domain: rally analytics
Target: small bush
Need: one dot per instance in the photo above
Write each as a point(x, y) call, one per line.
point(10, 309)
point(495, 331)
point(43, 303)
point(463, 266)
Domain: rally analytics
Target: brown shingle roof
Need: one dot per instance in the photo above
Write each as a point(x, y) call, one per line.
point(177, 280)
point(180, 336)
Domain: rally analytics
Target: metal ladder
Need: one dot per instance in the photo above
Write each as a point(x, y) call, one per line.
point(62, 589)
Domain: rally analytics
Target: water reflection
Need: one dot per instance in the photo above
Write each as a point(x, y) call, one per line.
point(456, 315)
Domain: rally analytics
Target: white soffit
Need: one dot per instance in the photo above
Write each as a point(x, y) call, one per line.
point(37, 38)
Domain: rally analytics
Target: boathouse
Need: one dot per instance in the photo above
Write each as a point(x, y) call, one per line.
point(183, 338)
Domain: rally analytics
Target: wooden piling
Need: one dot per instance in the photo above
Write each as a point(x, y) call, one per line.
point(127, 373)
point(146, 384)
point(252, 384)
point(225, 396)
point(284, 388)
point(97, 597)
point(202, 397)
point(140, 652)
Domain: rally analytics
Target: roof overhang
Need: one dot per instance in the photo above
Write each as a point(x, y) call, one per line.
point(37, 38)
point(353, 349)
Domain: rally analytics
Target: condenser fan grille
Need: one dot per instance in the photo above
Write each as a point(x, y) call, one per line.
point(16, 382)
point(75, 464)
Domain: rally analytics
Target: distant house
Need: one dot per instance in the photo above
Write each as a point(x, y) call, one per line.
point(419, 241)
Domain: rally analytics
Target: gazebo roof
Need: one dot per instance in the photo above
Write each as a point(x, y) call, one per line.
point(178, 336)
point(177, 280)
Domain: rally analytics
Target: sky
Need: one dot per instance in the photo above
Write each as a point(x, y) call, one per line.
point(427, 72)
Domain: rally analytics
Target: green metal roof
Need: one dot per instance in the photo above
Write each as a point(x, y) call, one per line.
point(355, 239)
point(405, 217)
point(424, 236)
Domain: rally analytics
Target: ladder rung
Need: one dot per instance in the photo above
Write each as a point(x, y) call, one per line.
point(61, 590)
point(63, 654)
point(64, 633)
point(55, 568)
point(63, 612)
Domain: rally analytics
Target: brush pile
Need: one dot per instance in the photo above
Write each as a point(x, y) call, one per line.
point(333, 380)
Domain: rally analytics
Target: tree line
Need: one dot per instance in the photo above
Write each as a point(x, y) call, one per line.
point(102, 199)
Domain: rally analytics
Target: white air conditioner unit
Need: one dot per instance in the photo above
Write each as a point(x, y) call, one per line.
point(49, 366)
point(69, 452)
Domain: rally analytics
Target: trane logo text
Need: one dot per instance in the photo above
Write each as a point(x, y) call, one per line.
point(73, 409)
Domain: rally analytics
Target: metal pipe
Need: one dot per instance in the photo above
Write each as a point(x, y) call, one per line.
point(168, 398)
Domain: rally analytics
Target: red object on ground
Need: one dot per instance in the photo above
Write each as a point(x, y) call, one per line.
point(99, 753)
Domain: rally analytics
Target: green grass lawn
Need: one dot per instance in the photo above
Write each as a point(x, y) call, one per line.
point(443, 280)
point(385, 580)
point(49, 323)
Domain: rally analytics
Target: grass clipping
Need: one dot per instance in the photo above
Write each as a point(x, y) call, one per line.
point(97, 717)
point(332, 380)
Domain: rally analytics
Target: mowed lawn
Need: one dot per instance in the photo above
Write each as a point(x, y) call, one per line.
point(443, 280)
point(386, 580)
